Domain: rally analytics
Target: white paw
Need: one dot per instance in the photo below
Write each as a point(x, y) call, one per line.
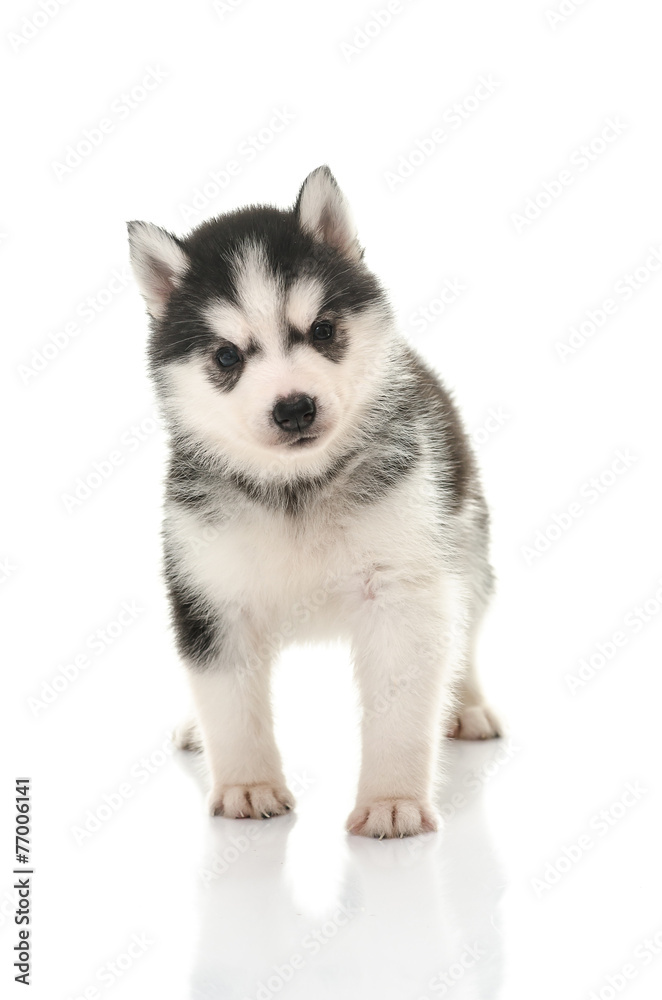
point(392, 818)
point(186, 736)
point(259, 801)
point(477, 722)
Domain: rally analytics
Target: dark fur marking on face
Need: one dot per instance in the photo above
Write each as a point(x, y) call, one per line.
point(334, 348)
point(251, 348)
point(222, 378)
point(294, 337)
point(290, 253)
point(226, 378)
point(413, 418)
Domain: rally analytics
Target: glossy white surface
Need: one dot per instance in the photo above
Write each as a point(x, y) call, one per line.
point(229, 905)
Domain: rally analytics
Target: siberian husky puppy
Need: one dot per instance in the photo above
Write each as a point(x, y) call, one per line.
point(320, 485)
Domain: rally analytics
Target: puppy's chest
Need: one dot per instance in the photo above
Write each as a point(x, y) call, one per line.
point(342, 546)
point(275, 558)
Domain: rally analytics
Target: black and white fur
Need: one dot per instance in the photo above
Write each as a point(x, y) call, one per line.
point(360, 515)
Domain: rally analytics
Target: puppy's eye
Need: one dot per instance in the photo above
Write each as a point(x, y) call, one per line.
point(227, 356)
point(322, 331)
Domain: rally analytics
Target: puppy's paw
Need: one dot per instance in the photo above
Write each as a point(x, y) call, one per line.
point(186, 736)
point(259, 801)
point(477, 722)
point(393, 818)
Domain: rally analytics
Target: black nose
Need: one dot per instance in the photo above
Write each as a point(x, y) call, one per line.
point(295, 413)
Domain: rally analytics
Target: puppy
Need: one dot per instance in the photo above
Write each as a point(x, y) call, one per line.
point(320, 485)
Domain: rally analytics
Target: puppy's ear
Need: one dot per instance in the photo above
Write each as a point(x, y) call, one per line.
point(159, 263)
point(323, 211)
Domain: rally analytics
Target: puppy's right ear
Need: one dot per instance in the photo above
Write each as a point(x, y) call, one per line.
point(159, 263)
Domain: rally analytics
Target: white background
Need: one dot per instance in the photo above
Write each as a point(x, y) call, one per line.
point(359, 102)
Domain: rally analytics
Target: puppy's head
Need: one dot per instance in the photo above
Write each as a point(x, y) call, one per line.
point(268, 331)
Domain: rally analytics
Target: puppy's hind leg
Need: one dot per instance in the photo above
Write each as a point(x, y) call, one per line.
point(473, 718)
point(186, 735)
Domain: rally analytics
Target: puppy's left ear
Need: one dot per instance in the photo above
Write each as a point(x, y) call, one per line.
point(323, 211)
point(159, 263)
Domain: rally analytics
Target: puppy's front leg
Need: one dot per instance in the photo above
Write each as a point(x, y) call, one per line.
point(398, 660)
point(229, 677)
point(233, 708)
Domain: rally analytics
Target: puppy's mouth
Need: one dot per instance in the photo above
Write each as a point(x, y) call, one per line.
point(302, 440)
